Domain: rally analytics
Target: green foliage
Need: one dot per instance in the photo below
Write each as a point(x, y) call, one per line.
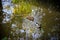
point(15, 1)
point(23, 9)
point(18, 1)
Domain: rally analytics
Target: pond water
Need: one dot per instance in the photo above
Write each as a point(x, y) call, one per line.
point(31, 30)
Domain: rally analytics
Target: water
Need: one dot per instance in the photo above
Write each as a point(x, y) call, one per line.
point(29, 27)
point(32, 27)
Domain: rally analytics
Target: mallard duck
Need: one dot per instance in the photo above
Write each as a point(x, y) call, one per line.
point(30, 18)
